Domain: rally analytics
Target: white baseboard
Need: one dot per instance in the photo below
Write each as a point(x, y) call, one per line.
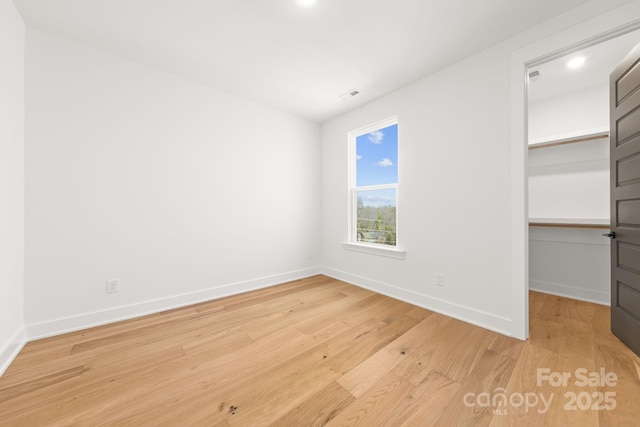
point(11, 351)
point(98, 318)
point(570, 292)
point(489, 321)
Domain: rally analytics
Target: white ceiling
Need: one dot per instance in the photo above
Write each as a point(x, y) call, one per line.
point(298, 60)
point(600, 61)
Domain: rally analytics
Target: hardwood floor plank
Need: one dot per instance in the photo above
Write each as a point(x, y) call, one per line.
point(568, 337)
point(371, 408)
point(508, 346)
point(560, 412)
point(425, 404)
point(272, 293)
point(490, 375)
point(524, 380)
point(363, 376)
point(249, 386)
point(428, 356)
point(52, 354)
point(365, 345)
point(462, 358)
point(381, 310)
point(340, 310)
point(11, 392)
point(319, 409)
point(263, 327)
point(126, 338)
point(625, 365)
point(105, 389)
point(419, 313)
point(560, 308)
point(318, 352)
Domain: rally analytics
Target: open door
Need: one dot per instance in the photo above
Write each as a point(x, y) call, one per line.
point(625, 200)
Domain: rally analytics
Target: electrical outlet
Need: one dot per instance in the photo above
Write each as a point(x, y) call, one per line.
point(439, 279)
point(310, 256)
point(112, 286)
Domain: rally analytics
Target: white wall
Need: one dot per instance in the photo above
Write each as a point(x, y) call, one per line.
point(569, 114)
point(571, 262)
point(570, 181)
point(453, 192)
point(12, 46)
point(462, 193)
point(180, 191)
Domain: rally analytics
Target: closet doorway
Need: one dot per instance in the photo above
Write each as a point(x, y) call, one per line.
point(568, 170)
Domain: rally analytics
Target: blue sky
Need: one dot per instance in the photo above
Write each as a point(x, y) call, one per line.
point(377, 157)
point(376, 164)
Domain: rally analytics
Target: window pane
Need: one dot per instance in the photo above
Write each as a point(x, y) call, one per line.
point(376, 216)
point(377, 157)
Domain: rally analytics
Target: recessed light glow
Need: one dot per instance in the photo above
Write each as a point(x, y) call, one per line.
point(576, 62)
point(307, 3)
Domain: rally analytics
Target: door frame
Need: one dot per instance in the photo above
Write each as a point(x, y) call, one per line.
point(590, 32)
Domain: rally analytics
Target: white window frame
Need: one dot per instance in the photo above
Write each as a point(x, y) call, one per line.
point(352, 243)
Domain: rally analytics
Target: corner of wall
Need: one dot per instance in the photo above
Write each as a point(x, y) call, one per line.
point(12, 53)
point(11, 350)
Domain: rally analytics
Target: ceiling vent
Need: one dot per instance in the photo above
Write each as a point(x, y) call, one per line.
point(350, 94)
point(535, 75)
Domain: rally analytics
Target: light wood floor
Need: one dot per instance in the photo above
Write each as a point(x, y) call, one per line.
point(321, 352)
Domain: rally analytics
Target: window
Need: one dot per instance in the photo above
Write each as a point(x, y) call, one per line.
point(373, 188)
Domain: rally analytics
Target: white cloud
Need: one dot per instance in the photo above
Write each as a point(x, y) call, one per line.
point(377, 200)
point(375, 137)
point(358, 156)
point(385, 162)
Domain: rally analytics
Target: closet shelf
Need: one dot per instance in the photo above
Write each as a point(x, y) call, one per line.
point(571, 140)
point(599, 223)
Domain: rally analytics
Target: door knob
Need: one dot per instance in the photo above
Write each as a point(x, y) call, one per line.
point(611, 234)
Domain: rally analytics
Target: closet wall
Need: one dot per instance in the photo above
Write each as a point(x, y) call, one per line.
point(569, 195)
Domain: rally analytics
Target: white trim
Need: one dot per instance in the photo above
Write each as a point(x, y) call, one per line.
point(519, 226)
point(387, 251)
point(479, 318)
point(561, 290)
point(98, 318)
point(376, 187)
point(599, 28)
point(389, 121)
point(11, 351)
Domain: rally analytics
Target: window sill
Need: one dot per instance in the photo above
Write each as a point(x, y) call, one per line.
point(389, 252)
